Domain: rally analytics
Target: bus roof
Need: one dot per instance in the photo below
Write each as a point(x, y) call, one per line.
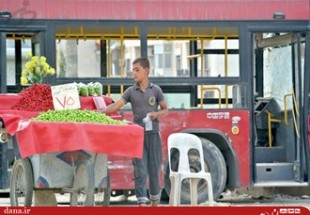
point(158, 9)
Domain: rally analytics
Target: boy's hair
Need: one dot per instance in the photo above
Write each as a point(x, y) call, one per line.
point(144, 62)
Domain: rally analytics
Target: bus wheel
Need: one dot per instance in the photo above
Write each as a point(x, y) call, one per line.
point(214, 162)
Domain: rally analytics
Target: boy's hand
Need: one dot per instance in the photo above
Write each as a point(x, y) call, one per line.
point(153, 115)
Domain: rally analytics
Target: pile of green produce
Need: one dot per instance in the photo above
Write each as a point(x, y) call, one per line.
point(85, 116)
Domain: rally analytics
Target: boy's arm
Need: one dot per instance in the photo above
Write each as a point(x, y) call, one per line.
point(114, 106)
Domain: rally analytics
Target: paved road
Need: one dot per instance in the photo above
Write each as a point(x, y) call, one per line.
point(228, 199)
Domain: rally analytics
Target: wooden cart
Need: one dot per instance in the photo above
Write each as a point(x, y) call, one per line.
point(82, 174)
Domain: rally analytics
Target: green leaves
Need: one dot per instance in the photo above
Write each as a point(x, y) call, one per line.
point(85, 116)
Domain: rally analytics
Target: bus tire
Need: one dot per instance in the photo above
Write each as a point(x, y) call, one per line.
point(214, 162)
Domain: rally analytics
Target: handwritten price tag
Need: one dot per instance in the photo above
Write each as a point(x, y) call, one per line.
point(66, 96)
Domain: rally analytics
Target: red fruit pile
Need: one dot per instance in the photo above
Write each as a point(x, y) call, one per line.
point(37, 97)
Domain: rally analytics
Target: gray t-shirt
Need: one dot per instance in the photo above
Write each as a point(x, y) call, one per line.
point(144, 102)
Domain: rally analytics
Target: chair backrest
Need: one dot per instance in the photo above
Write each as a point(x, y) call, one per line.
point(184, 142)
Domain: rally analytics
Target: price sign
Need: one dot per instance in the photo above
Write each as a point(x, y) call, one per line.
point(66, 96)
point(99, 102)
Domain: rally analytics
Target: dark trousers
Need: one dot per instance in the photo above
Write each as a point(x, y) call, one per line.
point(149, 165)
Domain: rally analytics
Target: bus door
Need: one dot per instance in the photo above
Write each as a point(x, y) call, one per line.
point(14, 46)
point(306, 94)
point(279, 151)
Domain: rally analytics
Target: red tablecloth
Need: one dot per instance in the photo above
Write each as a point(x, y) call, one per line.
point(46, 137)
point(7, 101)
point(36, 137)
point(43, 137)
point(13, 119)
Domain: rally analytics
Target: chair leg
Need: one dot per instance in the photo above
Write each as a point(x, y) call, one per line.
point(194, 198)
point(178, 192)
point(172, 192)
point(210, 190)
point(174, 198)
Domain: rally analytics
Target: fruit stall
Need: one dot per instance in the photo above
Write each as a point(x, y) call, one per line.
point(63, 151)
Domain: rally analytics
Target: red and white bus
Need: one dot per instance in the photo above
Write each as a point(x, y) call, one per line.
point(234, 73)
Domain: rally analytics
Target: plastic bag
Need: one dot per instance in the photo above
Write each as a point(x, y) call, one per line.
point(98, 89)
point(83, 89)
point(90, 87)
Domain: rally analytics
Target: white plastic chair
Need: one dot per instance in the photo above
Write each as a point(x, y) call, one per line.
point(184, 142)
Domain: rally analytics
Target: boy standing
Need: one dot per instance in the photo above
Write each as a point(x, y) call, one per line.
point(145, 97)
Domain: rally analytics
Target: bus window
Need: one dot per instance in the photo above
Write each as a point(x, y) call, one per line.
point(120, 55)
point(174, 100)
point(221, 58)
point(277, 76)
point(178, 100)
point(168, 58)
point(25, 46)
point(77, 58)
point(220, 96)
